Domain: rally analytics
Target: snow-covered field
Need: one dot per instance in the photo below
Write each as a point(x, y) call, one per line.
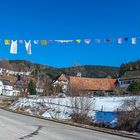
point(61, 108)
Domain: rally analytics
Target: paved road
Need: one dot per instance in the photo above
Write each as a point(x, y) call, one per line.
point(15, 127)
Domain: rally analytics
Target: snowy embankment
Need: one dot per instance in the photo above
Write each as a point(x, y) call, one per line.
point(61, 108)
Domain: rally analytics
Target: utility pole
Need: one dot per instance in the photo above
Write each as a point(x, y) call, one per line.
point(37, 85)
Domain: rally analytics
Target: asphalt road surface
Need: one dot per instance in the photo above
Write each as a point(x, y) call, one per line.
point(16, 127)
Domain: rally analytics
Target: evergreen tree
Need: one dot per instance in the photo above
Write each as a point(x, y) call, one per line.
point(32, 88)
point(134, 87)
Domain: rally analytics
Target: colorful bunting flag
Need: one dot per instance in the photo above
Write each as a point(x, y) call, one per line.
point(20, 41)
point(109, 40)
point(43, 42)
point(97, 40)
point(63, 41)
point(78, 40)
point(87, 41)
point(7, 42)
point(59, 41)
point(68, 41)
point(126, 39)
point(36, 41)
point(50, 41)
point(119, 40)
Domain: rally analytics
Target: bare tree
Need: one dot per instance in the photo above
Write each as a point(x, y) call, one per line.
point(48, 89)
point(24, 85)
point(4, 63)
point(81, 108)
point(129, 114)
point(56, 110)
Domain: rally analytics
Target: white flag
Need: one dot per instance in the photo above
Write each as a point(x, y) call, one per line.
point(36, 41)
point(134, 40)
point(13, 48)
point(28, 47)
point(119, 40)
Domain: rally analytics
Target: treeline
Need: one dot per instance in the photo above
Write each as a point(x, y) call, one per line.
point(52, 72)
point(92, 71)
point(131, 66)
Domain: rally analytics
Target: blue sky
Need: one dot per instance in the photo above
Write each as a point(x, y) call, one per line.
point(72, 19)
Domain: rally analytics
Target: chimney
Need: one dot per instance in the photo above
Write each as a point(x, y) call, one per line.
point(79, 74)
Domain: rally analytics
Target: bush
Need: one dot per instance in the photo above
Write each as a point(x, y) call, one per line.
point(81, 107)
point(80, 118)
point(134, 87)
point(129, 115)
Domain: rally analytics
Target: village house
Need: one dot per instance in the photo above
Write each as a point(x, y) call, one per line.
point(5, 87)
point(124, 82)
point(11, 72)
point(0, 71)
point(16, 92)
point(82, 85)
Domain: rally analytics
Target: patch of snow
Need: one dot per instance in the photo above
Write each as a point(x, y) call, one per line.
point(60, 108)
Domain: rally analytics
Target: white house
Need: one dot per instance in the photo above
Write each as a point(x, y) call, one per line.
point(11, 72)
point(2, 71)
point(62, 81)
point(6, 88)
point(125, 82)
point(39, 90)
point(16, 92)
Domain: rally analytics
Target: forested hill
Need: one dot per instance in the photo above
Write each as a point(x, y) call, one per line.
point(52, 72)
point(131, 69)
point(92, 71)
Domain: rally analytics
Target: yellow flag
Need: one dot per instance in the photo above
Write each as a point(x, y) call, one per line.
point(7, 42)
point(43, 42)
point(78, 40)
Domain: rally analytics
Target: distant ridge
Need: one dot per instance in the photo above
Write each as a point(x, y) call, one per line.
point(52, 72)
point(131, 69)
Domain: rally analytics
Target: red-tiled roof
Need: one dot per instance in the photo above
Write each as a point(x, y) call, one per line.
point(92, 84)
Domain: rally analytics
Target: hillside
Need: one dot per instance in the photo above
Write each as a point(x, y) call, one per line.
point(92, 71)
point(52, 72)
point(131, 69)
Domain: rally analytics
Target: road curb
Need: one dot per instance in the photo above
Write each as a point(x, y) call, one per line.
point(104, 130)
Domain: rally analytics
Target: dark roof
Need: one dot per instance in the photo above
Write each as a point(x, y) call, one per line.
point(5, 82)
point(129, 78)
point(61, 77)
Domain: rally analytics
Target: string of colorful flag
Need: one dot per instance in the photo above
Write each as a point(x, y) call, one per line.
point(28, 44)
